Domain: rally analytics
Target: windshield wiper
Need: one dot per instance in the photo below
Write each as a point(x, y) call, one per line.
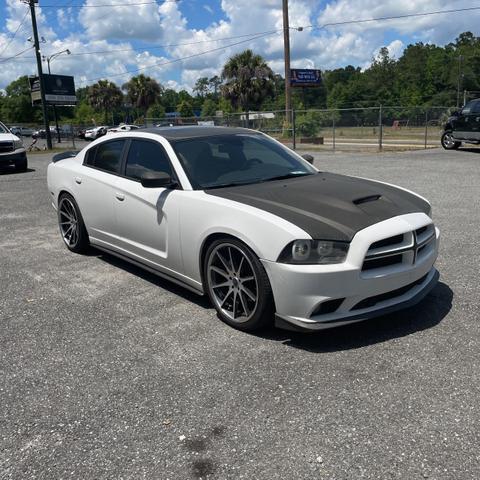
point(288, 175)
point(233, 184)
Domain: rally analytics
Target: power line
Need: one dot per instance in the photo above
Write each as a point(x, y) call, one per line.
point(154, 47)
point(108, 4)
point(161, 64)
point(393, 17)
point(15, 33)
point(3, 60)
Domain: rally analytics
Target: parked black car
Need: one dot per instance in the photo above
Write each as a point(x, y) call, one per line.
point(463, 126)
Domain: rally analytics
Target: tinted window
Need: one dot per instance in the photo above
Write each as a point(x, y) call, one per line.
point(476, 108)
point(144, 156)
point(108, 156)
point(215, 161)
point(468, 107)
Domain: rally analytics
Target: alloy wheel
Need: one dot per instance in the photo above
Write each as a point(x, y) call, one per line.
point(68, 220)
point(448, 141)
point(232, 282)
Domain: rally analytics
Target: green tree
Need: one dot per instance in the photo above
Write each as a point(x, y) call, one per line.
point(17, 103)
point(185, 109)
point(104, 96)
point(209, 108)
point(157, 110)
point(201, 87)
point(248, 81)
point(142, 92)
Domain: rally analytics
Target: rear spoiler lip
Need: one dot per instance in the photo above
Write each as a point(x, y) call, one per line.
point(64, 155)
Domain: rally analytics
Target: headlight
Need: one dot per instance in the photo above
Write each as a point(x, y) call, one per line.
point(309, 252)
point(18, 144)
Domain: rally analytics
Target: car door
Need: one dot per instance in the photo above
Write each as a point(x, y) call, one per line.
point(465, 122)
point(148, 218)
point(475, 121)
point(95, 189)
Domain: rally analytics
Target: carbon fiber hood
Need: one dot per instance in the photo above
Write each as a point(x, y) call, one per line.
point(327, 206)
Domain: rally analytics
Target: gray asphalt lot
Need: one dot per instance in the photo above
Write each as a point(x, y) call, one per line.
point(110, 372)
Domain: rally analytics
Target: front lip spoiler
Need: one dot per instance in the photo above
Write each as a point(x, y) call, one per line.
point(315, 327)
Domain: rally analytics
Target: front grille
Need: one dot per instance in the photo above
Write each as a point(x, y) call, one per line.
point(387, 242)
point(372, 301)
point(406, 248)
point(6, 147)
point(370, 264)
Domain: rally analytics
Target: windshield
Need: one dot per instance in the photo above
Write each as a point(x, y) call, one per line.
point(236, 159)
point(3, 128)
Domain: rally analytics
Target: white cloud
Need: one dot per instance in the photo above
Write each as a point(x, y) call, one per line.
point(162, 24)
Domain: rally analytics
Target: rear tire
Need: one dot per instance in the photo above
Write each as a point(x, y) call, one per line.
point(72, 227)
point(448, 142)
point(238, 285)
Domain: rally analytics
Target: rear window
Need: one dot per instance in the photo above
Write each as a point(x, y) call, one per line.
point(106, 156)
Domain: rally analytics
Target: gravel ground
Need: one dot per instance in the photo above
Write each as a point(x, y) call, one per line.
point(110, 372)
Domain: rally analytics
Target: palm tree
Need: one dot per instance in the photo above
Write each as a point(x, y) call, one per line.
point(105, 96)
point(143, 92)
point(248, 81)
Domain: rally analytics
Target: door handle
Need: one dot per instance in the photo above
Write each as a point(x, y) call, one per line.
point(78, 180)
point(120, 196)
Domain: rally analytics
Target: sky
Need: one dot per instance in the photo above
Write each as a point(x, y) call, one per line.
point(178, 41)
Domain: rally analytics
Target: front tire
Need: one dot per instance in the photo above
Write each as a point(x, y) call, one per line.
point(238, 285)
point(72, 227)
point(448, 142)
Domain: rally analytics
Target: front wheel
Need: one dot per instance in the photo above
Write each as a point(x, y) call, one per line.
point(71, 224)
point(237, 285)
point(21, 166)
point(448, 142)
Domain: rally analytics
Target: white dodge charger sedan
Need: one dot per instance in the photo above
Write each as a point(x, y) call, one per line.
point(234, 214)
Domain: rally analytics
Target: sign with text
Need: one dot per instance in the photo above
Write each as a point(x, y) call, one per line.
point(304, 77)
point(59, 90)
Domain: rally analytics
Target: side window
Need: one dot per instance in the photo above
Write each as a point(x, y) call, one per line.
point(476, 107)
point(108, 156)
point(144, 156)
point(90, 157)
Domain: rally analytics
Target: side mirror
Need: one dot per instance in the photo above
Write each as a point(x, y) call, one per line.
point(157, 180)
point(308, 158)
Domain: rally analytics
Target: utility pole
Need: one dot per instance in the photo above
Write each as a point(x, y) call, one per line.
point(286, 48)
point(460, 58)
point(40, 74)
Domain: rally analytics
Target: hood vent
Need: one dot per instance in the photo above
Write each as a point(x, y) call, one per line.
point(370, 198)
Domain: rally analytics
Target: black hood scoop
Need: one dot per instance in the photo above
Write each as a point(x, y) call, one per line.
point(325, 205)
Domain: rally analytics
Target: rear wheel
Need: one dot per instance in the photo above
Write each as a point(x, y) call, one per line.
point(71, 224)
point(448, 142)
point(237, 285)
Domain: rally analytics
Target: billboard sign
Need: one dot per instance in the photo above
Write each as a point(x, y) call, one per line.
point(59, 90)
point(304, 77)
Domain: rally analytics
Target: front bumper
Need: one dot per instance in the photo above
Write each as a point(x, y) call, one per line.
point(11, 158)
point(300, 291)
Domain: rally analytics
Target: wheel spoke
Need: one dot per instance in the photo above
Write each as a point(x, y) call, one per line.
point(231, 259)
point(247, 279)
point(240, 266)
point(244, 306)
point(219, 271)
point(228, 283)
point(219, 255)
point(234, 304)
point(225, 297)
point(249, 293)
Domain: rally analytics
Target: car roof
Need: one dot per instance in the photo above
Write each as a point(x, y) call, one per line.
point(187, 132)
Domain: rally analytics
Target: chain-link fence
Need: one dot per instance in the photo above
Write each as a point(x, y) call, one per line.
point(370, 128)
point(392, 127)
